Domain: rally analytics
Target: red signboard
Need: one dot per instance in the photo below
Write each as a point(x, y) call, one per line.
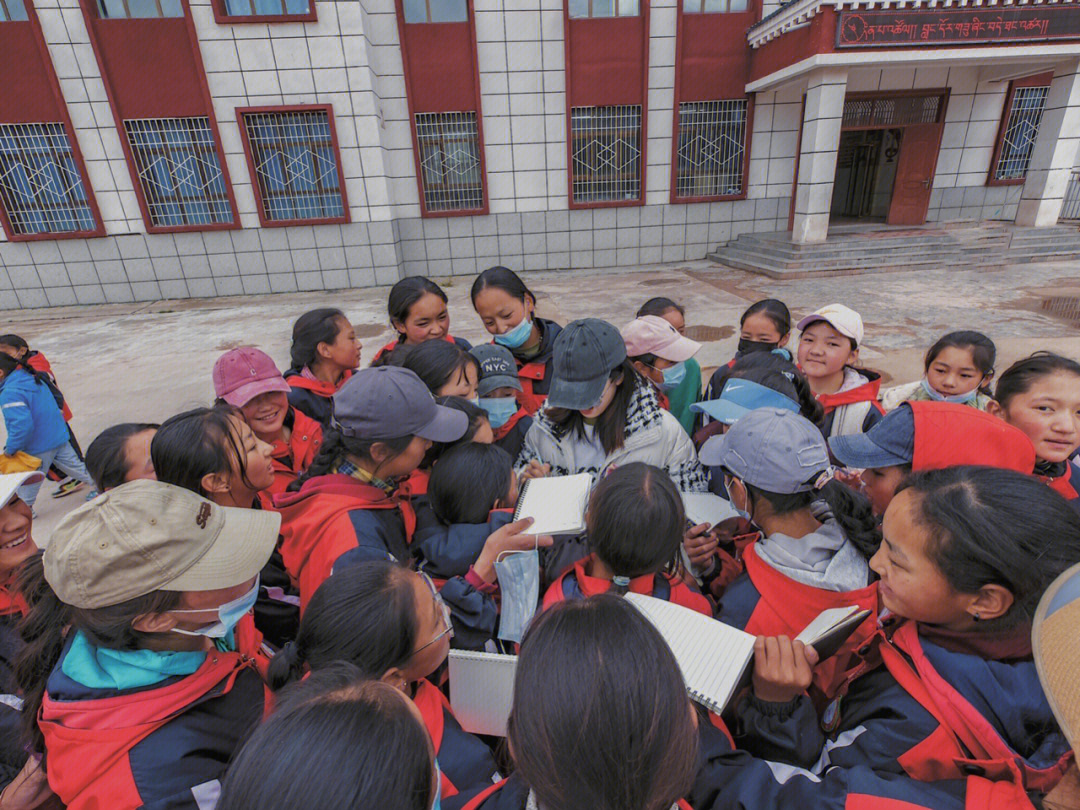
point(859, 29)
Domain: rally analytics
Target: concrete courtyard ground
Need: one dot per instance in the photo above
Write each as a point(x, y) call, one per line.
point(145, 362)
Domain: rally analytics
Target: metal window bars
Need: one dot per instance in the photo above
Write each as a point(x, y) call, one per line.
point(266, 8)
point(179, 171)
point(40, 184)
point(891, 111)
point(604, 8)
point(711, 148)
point(12, 11)
point(1020, 133)
point(1070, 208)
point(606, 153)
point(296, 165)
point(435, 11)
point(450, 161)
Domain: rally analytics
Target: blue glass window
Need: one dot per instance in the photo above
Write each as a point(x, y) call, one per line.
point(12, 11)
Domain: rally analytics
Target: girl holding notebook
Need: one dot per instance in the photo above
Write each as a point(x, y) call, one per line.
point(624, 557)
point(601, 415)
point(394, 626)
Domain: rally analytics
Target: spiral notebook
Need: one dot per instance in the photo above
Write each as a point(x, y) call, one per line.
point(482, 690)
point(557, 504)
point(713, 656)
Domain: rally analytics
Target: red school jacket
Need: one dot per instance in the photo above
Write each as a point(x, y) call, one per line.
point(575, 583)
point(290, 459)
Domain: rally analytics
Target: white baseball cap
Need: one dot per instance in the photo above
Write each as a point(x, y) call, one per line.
point(10, 483)
point(843, 319)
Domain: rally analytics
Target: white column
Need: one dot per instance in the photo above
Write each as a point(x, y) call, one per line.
point(817, 154)
point(1055, 150)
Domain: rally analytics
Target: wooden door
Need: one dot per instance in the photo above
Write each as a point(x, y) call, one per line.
point(914, 174)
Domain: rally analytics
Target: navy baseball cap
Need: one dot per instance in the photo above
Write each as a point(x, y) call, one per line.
point(497, 368)
point(889, 443)
point(585, 354)
point(739, 397)
point(390, 402)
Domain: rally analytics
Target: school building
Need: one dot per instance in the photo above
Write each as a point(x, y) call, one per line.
point(179, 148)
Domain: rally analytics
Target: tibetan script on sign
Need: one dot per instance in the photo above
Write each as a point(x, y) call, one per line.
point(957, 26)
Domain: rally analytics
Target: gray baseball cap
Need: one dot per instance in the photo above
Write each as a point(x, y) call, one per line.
point(497, 368)
point(585, 354)
point(390, 402)
point(772, 449)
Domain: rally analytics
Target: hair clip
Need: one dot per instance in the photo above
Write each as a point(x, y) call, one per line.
point(826, 476)
point(620, 581)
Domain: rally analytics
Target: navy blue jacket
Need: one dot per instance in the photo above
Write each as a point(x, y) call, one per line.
point(444, 551)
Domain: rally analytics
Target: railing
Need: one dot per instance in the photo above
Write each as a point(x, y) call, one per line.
point(1071, 208)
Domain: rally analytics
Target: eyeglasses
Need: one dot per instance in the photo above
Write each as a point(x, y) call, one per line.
point(449, 631)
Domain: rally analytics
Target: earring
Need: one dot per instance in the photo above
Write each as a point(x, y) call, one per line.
point(977, 617)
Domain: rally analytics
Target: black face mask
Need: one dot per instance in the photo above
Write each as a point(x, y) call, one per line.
point(747, 346)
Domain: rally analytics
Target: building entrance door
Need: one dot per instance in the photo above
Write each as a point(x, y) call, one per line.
point(915, 174)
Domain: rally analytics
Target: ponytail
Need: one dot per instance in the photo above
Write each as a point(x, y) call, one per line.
point(285, 667)
point(855, 515)
point(334, 448)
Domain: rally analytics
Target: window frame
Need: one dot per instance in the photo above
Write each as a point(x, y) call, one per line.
point(1039, 80)
point(615, 16)
point(249, 157)
point(481, 168)
point(642, 159)
point(674, 198)
point(683, 10)
point(223, 17)
point(6, 16)
point(429, 21)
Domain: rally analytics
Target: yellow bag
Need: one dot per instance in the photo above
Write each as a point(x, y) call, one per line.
point(20, 462)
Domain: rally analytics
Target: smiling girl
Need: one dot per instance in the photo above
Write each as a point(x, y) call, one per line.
point(418, 313)
point(324, 353)
point(1041, 396)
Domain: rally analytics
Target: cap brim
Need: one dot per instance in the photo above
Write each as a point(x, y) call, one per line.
point(246, 541)
point(711, 453)
point(1054, 648)
point(856, 450)
point(576, 395)
point(448, 425)
point(10, 483)
point(679, 351)
point(722, 410)
point(489, 384)
point(812, 319)
point(239, 397)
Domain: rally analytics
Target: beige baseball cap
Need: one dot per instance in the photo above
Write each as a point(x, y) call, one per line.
point(147, 536)
point(1056, 652)
point(843, 319)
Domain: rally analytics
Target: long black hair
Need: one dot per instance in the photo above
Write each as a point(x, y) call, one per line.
point(311, 329)
point(406, 293)
point(1021, 375)
point(635, 521)
point(611, 424)
point(339, 742)
point(15, 342)
point(197, 443)
point(478, 417)
point(9, 364)
point(502, 278)
point(469, 481)
point(106, 457)
point(364, 614)
point(996, 526)
point(336, 446)
point(600, 717)
point(437, 362)
point(983, 352)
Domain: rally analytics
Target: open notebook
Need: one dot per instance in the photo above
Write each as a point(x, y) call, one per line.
point(482, 690)
point(557, 504)
point(713, 656)
point(707, 507)
point(832, 627)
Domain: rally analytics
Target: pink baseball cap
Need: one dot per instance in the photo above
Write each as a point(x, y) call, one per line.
point(651, 334)
point(242, 374)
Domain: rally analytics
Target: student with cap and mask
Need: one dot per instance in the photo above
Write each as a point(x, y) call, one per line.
point(658, 353)
point(499, 390)
point(601, 414)
point(137, 683)
point(815, 534)
point(920, 436)
point(353, 503)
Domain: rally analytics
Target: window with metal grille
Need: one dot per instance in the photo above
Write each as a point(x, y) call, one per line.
point(179, 171)
point(124, 9)
point(605, 8)
point(41, 186)
point(712, 148)
point(295, 163)
point(606, 148)
point(450, 161)
point(12, 11)
point(435, 11)
point(266, 8)
point(1022, 128)
point(891, 111)
point(713, 6)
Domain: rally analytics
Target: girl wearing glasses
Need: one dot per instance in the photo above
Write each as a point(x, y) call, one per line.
point(393, 625)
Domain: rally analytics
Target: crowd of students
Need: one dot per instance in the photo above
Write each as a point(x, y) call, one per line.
point(255, 606)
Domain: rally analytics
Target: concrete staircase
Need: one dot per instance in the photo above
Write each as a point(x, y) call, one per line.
point(852, 249)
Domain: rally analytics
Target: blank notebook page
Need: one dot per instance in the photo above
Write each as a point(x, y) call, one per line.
point(557, 504)
point(482, 690)
point(712, 655)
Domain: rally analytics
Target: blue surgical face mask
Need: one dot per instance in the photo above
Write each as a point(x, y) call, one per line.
point(741, 512)
point(229, 615)
point(673, 377)
point(499, 409)
point(518, 573)
point(516, 337)
point(962, 399)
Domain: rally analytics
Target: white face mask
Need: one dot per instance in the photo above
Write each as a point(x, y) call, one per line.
point(229, 615)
